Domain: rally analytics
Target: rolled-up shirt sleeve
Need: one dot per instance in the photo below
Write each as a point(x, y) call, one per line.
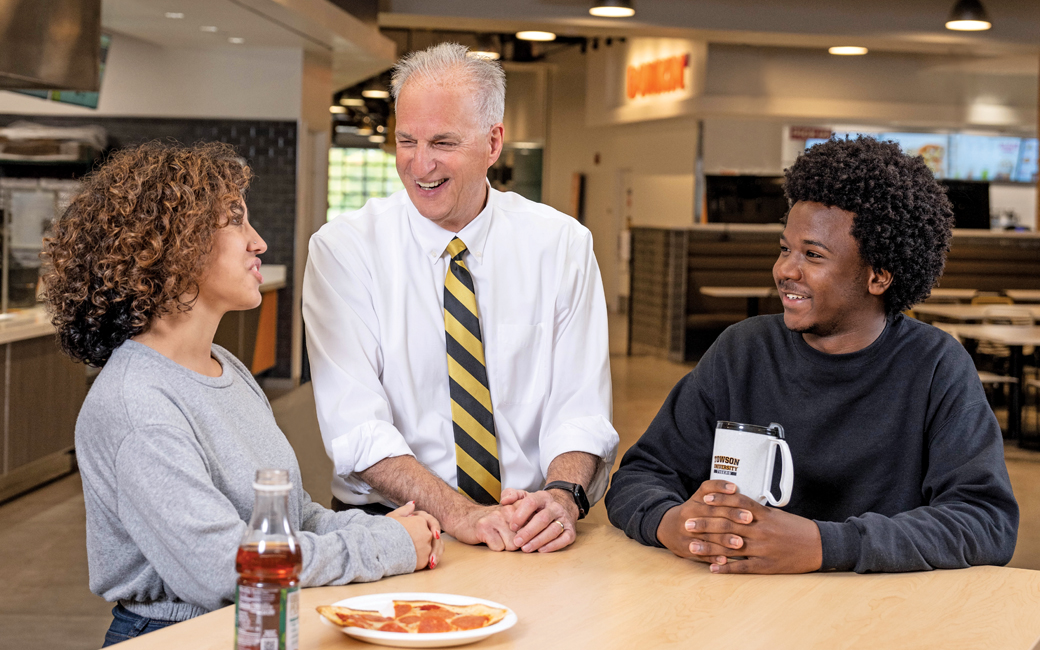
point(578, 410)
point(346, 362)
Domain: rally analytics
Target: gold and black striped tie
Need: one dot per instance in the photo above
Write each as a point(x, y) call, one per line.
point(476, 448)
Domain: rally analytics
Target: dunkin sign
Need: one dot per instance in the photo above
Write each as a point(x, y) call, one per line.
point(657, 77)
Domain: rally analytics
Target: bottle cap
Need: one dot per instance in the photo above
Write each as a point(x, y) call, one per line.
point(272, 480)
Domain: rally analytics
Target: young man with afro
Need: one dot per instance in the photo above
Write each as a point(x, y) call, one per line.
point(898, 459)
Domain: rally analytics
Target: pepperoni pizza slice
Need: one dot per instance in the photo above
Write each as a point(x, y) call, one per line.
point(417, 617)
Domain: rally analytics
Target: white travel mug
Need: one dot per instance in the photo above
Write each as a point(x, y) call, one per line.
point(744, 454)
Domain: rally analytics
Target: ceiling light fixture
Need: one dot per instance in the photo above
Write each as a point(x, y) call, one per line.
point(208, 28)
point(848, 50)
point(236, 40)
point(534, 35)
point(352, 101)
point(337, 109)
point(612, 9)
point(968, 16)
point(375, 93)
point(174, 14)
point(364, 131)
point(378, 139)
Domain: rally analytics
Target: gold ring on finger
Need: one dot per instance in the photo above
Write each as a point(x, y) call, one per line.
point(562, 527)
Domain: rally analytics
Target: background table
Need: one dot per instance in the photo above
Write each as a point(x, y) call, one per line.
point(1023, 295)
point(1014, 337)
point(968, 312)
point(606, 591)
point(953, 294)
point(752, 294)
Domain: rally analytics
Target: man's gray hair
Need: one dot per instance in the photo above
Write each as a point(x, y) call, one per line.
point(450, 64)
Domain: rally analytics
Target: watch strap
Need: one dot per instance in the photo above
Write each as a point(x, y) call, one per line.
point(576, 491)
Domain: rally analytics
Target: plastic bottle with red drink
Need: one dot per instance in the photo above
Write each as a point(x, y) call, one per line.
point(267, 600)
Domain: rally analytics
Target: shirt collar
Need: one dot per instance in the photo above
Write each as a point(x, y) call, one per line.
point(434, 239)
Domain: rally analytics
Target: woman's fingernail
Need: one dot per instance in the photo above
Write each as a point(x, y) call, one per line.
point(433, 563)
point(437, 534)
point(709, 498)
point(730, 486)
point(695, 547)
point(734, 542)
point(745, 516)
point(691, 524)
point(714, 568)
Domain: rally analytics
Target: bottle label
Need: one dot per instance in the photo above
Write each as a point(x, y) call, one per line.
point(267, 618)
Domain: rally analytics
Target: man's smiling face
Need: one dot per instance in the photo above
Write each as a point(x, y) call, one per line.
point(443, 154)
point(824, 284)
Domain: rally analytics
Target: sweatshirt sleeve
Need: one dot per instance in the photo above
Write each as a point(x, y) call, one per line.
point(971, 516)
point(669, 462)
point(192, 539)
point(350, 546)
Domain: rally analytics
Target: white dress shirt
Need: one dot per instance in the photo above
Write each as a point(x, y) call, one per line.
point(373, 304)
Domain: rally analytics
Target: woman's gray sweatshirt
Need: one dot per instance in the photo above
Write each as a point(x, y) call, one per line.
point(168, 458)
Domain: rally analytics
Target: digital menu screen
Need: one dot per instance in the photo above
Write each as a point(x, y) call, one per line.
point(933, 147)
point(983, 157)
point(1027, 171)
point(965, 157)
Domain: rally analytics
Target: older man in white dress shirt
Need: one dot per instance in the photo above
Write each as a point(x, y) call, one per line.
point(457, 334)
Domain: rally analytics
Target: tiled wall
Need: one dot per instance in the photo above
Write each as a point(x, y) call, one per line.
point(269, 147)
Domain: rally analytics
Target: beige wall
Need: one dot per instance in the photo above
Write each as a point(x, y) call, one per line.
point(146, 80)
point(750, 94)
point(658, 156)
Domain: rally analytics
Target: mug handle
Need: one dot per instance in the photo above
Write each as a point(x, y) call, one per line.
point(786, 474)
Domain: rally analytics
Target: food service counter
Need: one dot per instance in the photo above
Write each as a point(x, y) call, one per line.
point(42, 390)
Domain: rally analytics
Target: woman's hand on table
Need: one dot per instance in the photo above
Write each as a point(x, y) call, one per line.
point(425, 531)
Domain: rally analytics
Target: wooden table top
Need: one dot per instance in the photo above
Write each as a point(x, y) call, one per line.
point(607, 591)
point(969, 312)
point(954, 294)
point(1023, 295)
point(739, 292)
point(1006, 334)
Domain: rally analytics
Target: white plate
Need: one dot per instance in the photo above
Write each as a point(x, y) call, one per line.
point(429, 640)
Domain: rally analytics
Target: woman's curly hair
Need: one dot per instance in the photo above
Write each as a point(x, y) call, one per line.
point(903, 220)
point(133, 242)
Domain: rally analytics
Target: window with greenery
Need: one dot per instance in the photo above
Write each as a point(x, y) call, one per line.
point(356, 175)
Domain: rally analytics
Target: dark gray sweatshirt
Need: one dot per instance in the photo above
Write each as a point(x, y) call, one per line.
point(897, 455)
point(168, 458)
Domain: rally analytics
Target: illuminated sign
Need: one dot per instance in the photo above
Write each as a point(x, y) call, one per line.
point(657, 77)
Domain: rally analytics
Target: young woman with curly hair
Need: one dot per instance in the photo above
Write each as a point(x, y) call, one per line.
point(898, 459)
point(152, 252)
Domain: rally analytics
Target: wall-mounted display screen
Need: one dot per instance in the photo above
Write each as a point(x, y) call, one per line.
point(1027, 169)
point(965, 157)
point(983, 157)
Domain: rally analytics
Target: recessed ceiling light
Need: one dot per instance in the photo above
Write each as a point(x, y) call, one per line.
point(612, 9)
point(378, 139)
point(237, 40)
point(534, 35)
point(352, 101)
point(968, 16)
point(375, 93)
point(479, 54)
point(174, 14)
point(848, 50)
point(208, 28)
point(337, 109)
point(364, 130)
point(968, 25)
